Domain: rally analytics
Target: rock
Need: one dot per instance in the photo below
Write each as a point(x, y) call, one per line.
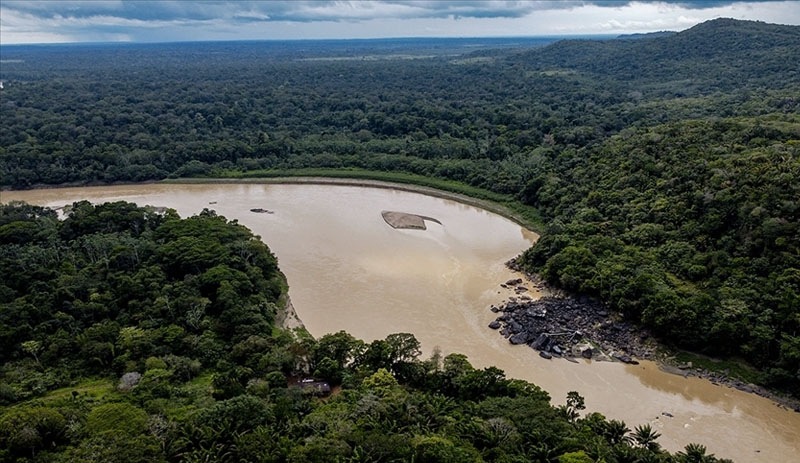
point(494, 325)
point(514, 282)
point(541, 342)
point(556, 349)
point(519, 338)
point(668, 415)
point(587, 353)
point(545, 355)
point(494, 309)
point(129, 381)
point(539, 312)
point(625, 359)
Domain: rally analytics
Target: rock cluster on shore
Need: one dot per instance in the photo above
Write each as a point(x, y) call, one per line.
point(569, 327)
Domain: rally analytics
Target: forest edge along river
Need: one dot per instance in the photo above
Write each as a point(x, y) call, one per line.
point(349, 270)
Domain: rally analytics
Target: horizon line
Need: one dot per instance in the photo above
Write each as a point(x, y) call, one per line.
point(336, 39)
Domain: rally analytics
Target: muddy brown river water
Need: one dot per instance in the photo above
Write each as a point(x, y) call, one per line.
point(349, 270)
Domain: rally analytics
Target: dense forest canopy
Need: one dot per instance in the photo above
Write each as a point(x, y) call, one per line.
point(664, 167)
point(131, 335)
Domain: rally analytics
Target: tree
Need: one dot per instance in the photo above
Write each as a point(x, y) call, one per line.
point(645, 437)
point(615, 432)
point(119, 418)
point(33, 348)
point(340, 347)
point(437, 449)
point(112, 447)
point(381, 382)
point(575, 403)
point(30, 429)
point(404, 347)
point(575, 457)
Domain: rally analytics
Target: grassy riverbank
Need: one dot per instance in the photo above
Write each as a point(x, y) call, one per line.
point(505, 205)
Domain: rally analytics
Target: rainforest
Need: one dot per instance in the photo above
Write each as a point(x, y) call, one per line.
point(661, 172)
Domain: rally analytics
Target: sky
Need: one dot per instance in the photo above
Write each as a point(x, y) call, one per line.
point(45, 21)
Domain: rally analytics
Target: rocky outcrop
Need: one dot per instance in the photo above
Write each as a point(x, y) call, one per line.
point(571, 327)
point(598, 334)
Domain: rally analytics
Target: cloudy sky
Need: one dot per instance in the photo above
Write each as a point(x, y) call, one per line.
point(41, 21)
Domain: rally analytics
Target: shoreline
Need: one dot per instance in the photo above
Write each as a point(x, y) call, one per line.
point(642, 346)
point(484, 204)
point(287, 317)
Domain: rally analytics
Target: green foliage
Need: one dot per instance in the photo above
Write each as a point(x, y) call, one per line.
point(118, 418)
point(435, 449)
point(669, 194)
point(214, 385)
point(666, 192)
point(575, 457)
point(111, 447)
point(381, 382)
point(27, 430)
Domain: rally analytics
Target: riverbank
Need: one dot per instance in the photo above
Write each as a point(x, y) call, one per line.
point(562, 326)
point(496, 203)
point(713, 377)
point(350, 273)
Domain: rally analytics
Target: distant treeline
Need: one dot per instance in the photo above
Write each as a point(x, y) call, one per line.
point(664, 167)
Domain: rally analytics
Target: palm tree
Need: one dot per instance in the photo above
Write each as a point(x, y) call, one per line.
point(646, 437)
point(696, 453)
point(615, 432)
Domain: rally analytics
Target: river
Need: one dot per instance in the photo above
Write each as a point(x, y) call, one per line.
point(348, 270)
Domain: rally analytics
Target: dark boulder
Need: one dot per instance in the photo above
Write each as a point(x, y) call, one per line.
point(519, 338)
point(494, 325)
point(541, 342)
point(625, 359)
point(545, 355)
